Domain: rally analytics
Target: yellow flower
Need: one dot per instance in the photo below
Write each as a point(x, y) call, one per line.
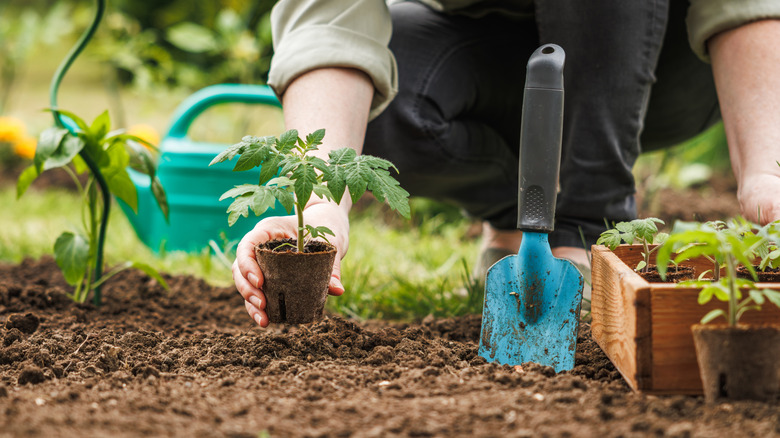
point(145, 132)
point(25, 147)
point(11, 129)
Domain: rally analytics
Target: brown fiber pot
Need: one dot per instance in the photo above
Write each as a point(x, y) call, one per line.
point(738, 363)
point(295, 284)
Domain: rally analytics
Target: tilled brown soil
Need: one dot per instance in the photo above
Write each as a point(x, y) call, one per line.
point(191, 363)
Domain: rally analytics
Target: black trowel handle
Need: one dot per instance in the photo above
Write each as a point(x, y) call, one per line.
point(540, 139)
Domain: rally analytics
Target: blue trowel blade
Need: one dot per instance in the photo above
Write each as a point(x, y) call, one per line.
point(532, 307)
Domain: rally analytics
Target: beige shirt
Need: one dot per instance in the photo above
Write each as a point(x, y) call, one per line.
point(310, 34)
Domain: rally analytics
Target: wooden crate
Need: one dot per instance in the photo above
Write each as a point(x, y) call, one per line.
point(645, 328)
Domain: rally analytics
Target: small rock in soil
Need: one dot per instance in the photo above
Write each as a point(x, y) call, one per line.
point(32, 375)
point(25, 323)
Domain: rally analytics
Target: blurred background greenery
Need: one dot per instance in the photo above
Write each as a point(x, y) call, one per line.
point(147, 56)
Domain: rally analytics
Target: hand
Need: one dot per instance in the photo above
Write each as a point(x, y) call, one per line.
point(760, 192)
point(247, 274)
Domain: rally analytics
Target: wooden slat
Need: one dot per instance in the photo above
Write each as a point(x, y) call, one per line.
point(614, 324)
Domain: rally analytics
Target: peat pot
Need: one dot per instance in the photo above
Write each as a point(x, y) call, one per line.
point(738, 363)
point(295, 284)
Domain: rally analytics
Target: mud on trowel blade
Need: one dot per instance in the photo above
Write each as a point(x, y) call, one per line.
point(532, 299)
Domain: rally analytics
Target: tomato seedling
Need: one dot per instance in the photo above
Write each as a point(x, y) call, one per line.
point(645, 231)
point(290, 175)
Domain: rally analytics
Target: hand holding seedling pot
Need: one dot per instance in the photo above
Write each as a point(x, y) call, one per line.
point(296, 271)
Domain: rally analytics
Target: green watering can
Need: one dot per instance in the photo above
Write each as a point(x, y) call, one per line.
point(192, 186)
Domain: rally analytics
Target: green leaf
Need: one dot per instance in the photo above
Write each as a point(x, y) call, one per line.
point(640, 265)
point(712, 314)
point(342, 156)
point(660, 238)
point(25, 179)
point(610, 238)
point(285, 198)
point(322, 192)
point(645, 229)
point(150, 271)
point(757, 296)
point(337, 183)
point(100, 127)
point(71, 252)
point(232, 151)
point(239, 207)
point(773, 296)
point(255, 154)
point(239, 191)
point(262, 201)
point(69, 147)
point(48, 142)
point(281, 182)
point(115, 174)
point(287, 141)
point(192, 37)
point(269, 169)
point(315, 138)
point(321, 231)
point(705, 295)
point(385, 187)
point(305, 178)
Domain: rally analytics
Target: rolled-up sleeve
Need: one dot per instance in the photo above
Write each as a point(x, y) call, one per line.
point(706, 18)
point(311, 34)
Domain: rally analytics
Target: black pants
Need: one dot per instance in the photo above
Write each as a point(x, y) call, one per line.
point(453, 130)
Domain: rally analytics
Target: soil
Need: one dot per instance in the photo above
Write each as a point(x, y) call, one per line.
point(191, 363)
point(674, 274)
point(768, 275)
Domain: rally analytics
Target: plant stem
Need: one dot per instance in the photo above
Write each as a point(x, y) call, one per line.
point(93, 167)
point(647, 256)
point(299, 212)
point(732, 274)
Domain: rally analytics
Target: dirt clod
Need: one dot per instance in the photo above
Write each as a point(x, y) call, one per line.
point(27, 323)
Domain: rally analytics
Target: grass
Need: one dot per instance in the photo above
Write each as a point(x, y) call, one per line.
point(394, 270)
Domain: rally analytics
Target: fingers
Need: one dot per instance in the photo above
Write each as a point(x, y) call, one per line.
point(257, 315)
point(254, 300)
point(335, 287)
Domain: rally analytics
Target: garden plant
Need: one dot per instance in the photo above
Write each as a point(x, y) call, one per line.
point(105, 156)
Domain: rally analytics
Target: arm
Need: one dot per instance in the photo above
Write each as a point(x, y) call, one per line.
point(335, 99)
point(746, 66)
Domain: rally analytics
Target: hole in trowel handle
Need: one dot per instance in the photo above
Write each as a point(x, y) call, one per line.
point(547, 50)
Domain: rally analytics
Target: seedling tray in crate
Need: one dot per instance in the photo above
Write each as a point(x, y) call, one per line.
point(645, 328)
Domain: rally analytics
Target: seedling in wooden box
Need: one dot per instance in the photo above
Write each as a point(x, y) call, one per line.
point(736, 361)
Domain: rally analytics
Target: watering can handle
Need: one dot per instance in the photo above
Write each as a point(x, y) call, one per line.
point(540, 139)
point(212, 95)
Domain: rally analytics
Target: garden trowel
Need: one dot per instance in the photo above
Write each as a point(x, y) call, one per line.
point(532, 299)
